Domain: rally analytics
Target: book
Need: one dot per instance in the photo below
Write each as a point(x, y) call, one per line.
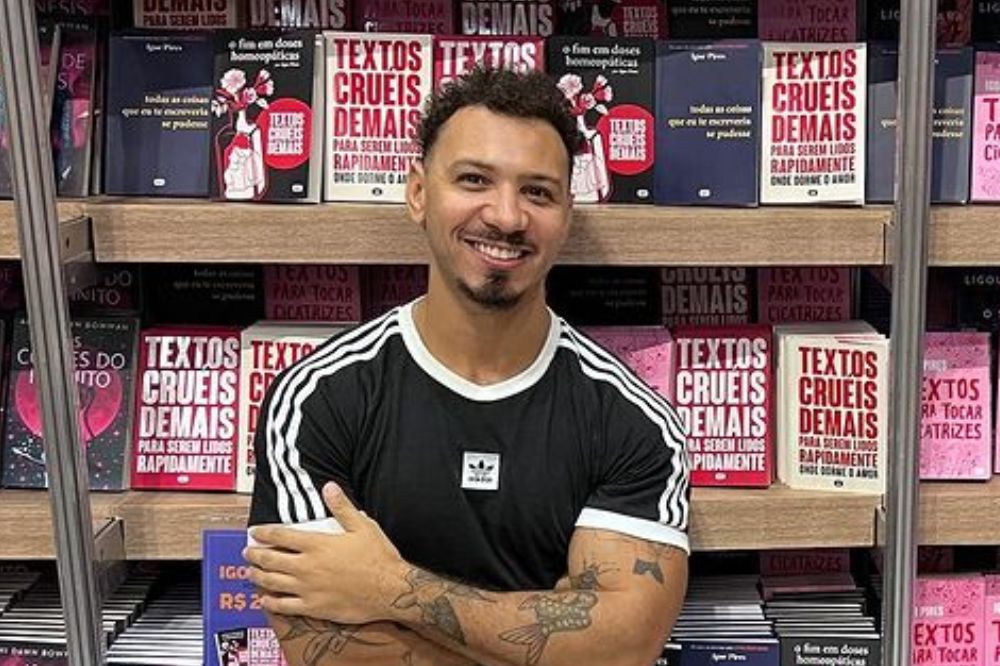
point(203, 294)
point(609, 85)
point(235, 628)
point(805, 562)
point(621, 18)
point(426, 17)
point(267, 348)
point(104, 353)
point(11, 287)
point(647, 350)
point(832, 395)
point(375, 89)
point(749, 652)
point(307, 14)
point(948, 625)
point(985, 21)
point(514, 17)
point(157, 14)
point(385, 287)
point(187, 409)
point(956, 398)
point(723, 396)
point(605, 295)
point(813, 143)
point(954, 21)
point(73, 8)
point(935, 559)
point(707, 113)
point(712, 19)
point(72, 126)
point(116, 290)
point(992, 618)
point(808, 20)
point(985, 184)
point(711, 296)
point(803, 293)
point(312, 293)
point(975, 301)
point(267, 117)
point(456, 55)
point(157, 114)
point(864, 648)
point(6, 171)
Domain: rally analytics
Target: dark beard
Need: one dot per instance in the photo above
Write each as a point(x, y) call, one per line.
point(493, 294)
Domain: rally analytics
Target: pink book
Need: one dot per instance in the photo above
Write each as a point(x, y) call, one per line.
point(186, 409)
point(808, 20)
point(986, 128)
point(647, 350)
point(722, 391)
point(454, 55)
point(805, 562)
point(317, 293)
point(992, 620)
point(949, 621)
point(427, 17)
point(389, 286)
point(715, 296)
point(955, 407)
point(801, 294)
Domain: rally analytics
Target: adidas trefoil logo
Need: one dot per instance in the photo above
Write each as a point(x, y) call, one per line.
point(480, 471)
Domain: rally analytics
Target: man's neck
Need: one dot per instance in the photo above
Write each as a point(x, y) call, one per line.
point(482, 345)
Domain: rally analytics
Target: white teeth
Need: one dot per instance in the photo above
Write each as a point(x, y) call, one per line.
point(495, 252)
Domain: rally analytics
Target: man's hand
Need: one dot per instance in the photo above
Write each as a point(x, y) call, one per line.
point(351, 578)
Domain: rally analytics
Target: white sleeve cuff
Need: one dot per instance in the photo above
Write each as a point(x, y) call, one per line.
point(650, 530)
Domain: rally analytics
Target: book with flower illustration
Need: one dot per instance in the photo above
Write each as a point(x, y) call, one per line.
point(156, 114)
point(949, 620)
point(104, 352)
point(385, 287)
point(609, 85)
point(513, 17)
point(986, 128)
point(708, 113)
point(621, 18)
point(710, 296)
point(304, 14)
point(454, 55)
point(267, 117)
point(647, 350)
point(723, 392)
point(808, 20)
point(956, 394)
point(423, 17)
point(792, 294)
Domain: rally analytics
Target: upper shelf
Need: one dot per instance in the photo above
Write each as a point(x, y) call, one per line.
point(964, 236)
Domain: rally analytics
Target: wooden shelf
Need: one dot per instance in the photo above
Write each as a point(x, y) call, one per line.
point(960, 514)
point(9, 249)
point(130, 230)
point(963, 236)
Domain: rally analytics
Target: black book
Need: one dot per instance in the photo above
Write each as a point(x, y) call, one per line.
point(712, 19)
point(157, 114)
point(954, 21)
point(986, 21)
point(862, 649)
point(196, 294)
point(605, 295)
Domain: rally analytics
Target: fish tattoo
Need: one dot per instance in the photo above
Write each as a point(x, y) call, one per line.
point(560, 612)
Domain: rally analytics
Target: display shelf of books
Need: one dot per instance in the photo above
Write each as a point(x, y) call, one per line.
point(957, 514)
point(130, 230)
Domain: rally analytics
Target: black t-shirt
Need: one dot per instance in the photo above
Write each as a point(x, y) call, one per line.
point(481, 483)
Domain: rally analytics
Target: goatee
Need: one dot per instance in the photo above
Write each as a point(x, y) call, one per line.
point(493, 294)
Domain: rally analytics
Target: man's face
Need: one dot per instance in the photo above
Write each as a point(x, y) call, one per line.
point(493, 196)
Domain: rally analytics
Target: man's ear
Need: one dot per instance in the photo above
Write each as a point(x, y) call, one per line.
point(416, 192)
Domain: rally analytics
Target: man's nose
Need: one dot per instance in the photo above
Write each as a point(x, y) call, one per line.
point(506, 211)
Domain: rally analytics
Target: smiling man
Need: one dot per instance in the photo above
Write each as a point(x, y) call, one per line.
point(511, 494)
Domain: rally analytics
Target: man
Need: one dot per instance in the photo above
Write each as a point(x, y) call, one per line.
point(524, 496)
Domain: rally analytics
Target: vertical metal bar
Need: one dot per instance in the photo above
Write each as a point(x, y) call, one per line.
point(909, 284)
point(38, 234)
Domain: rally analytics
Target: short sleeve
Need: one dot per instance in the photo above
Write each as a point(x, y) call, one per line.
point(644, 489)
point(300, 443)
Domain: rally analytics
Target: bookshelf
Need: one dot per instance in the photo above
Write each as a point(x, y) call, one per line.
point(960, 514)
point(964, 236)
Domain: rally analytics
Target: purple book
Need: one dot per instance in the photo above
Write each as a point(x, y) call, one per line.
point(807, 293)
point(808, 20)
point(986, 128)
point(647, 350)
point(948, 620)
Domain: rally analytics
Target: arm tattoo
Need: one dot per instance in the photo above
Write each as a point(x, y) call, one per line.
point(558, 612)
point(588, 579)
point(323, 637)
point(648, 558)
point(430, 594)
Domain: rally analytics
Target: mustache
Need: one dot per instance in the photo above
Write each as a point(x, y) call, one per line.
point(491, 234)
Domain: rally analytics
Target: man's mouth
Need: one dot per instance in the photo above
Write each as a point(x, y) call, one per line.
point(497, 251)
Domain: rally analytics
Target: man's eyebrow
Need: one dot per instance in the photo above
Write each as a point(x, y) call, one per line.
point(483, 166)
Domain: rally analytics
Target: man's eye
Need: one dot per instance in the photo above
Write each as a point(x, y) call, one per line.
point(536, 192)
point(472, 179)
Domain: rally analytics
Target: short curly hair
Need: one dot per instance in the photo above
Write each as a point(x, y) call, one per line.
point(529, 95)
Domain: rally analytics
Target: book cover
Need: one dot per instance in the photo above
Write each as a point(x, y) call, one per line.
point(954, 21)
point(992, 619)
point(803, 293)
point(267, 349)
point(723, 395)
point(986, 128)
point(306, 14)
point(376, 85)
point(266, 128)
point(707, 114)
point(235, 629)
point(15, 651)
point(157, 14)
point(605, 295)
point(647, 350)
point(157, 114)
point(726, 650)
point(11, 287)
point(424, 17)
point(72, 126)
point(986, 21)
point(817, 647)
point(712, 19)
point(805, 562)
point(619, 18)
point(881, 125)
point(312, 293)
point(808, 20)
point(104, 357)
point(609, 85)
point(116, 290)
point(202, 294)
point(385, 287)
point(949, 620)
point(456, 55)
point(514, 17)
point(976, 304)
point(715, 296)
point(73, 8)
point(951, 147)
point(813, 143)
point(955, 407)
point(186, 409)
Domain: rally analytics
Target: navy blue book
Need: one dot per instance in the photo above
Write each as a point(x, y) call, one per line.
point(712, 19)
point(704, 156)
point(157, 114)
point(952, 139)
point(749, 652)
